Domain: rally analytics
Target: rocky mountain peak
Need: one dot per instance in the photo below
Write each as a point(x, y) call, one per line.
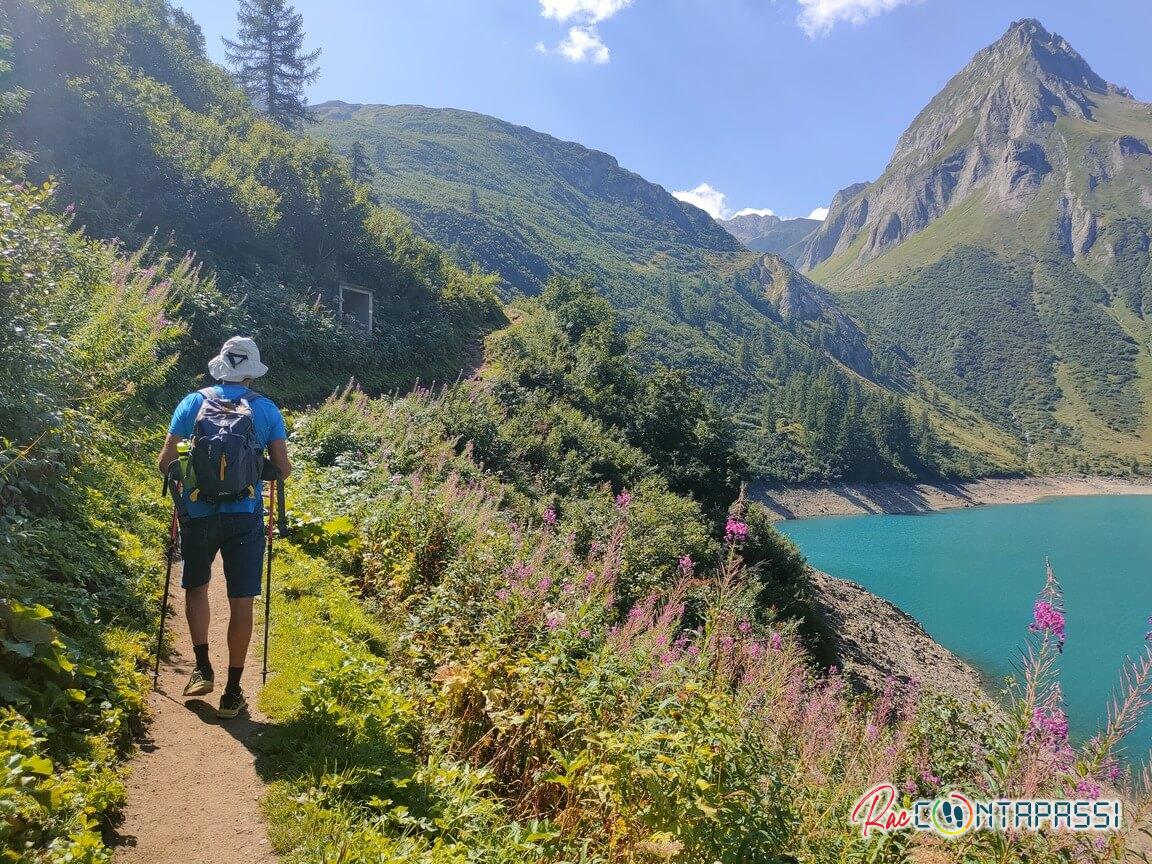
point(993, 127)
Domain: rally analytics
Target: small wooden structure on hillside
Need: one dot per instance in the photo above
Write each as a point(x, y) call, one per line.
point(355, 307)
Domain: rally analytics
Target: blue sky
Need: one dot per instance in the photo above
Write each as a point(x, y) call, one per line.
point(772, 103)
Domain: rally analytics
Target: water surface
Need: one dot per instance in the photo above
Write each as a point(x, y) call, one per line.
point(971, 577)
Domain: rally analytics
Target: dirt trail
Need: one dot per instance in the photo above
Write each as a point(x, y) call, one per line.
point(194, 795)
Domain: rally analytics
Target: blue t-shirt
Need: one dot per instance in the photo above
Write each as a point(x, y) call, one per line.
point(269, 427)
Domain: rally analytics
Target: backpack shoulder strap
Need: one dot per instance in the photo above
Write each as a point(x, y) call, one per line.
point(209, 392)
point(249, 396)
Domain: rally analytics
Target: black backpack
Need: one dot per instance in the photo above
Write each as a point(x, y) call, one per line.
point(226, 459)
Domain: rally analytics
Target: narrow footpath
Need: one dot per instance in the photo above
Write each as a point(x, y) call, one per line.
point(194, 794)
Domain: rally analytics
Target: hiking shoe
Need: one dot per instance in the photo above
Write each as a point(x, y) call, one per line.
point(231, 704)
point(199, 684)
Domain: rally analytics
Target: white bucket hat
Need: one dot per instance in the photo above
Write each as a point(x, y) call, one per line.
point(238, 359)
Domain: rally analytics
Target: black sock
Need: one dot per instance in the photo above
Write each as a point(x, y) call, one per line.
point(234, 673)
point(202, 661)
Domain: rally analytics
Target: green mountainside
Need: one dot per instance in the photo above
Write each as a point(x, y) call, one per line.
point(767, 233)
point(1006, 246)
point(811, 392)
point(521, 203)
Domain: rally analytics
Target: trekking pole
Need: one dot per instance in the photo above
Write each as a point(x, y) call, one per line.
point(170, 555)
point(268, 581)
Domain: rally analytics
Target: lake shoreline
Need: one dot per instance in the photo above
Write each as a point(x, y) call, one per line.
point(849, 499)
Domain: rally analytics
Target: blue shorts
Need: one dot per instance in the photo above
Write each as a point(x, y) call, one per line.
point(238, 537)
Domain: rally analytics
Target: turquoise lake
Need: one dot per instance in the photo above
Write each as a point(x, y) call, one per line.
point(971, 577)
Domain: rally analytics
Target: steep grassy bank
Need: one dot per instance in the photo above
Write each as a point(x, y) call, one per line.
point(84, 345)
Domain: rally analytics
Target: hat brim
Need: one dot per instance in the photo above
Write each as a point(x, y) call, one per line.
point(221, 370)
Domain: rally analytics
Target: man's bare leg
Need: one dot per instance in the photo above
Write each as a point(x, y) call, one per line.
point(239, 630)
point(198, 612)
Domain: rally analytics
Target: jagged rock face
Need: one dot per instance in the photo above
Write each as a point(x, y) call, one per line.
point(992, 131)
point(799, 301)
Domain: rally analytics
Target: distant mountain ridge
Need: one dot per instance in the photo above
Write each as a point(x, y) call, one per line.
point(770, 233)
point(1006, 247)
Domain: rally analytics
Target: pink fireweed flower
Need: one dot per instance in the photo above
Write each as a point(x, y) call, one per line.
point(585, 633)
point(687, 565)
point(1088, 788)
point(545, 585)
point(743, 626)
point(1047, 618)
point(1050, 723)
point(624, 499)
point(736, 531)
point(550, 516)
point(554, 620)
point(1111, 768)
point(503, 594)
point(776, 643)
point(70, 209)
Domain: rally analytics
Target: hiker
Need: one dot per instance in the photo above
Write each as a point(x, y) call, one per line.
point(220, 508)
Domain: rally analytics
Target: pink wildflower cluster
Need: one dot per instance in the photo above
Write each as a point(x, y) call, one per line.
point(735, 531)
point(1049, 723)
point(1046, 618)
point(550, 516)
point(624, 499)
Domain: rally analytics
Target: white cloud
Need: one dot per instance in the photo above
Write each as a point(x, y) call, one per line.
point(582, 45)
point(587, 11)
point(711, 201)
point(818, 17)
point(820, 213)
point(752, 211)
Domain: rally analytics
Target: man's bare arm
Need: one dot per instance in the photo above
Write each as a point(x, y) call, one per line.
point(278, 456)
point(169, 453)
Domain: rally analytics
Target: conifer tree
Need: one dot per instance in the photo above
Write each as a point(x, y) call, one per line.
point(360, 169)
point(269, 62)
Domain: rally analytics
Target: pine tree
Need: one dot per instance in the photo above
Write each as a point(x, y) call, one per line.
point(268, 60)
point(360, 169)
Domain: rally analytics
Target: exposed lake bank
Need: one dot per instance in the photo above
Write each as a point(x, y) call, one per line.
point(849, 499)
point(875, 640)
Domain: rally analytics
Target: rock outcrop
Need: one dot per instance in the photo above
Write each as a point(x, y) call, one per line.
point(874, 640)
point(799, 302)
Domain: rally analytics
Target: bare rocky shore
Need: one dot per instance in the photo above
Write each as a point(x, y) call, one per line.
point(846, 499)
point(875, 640)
